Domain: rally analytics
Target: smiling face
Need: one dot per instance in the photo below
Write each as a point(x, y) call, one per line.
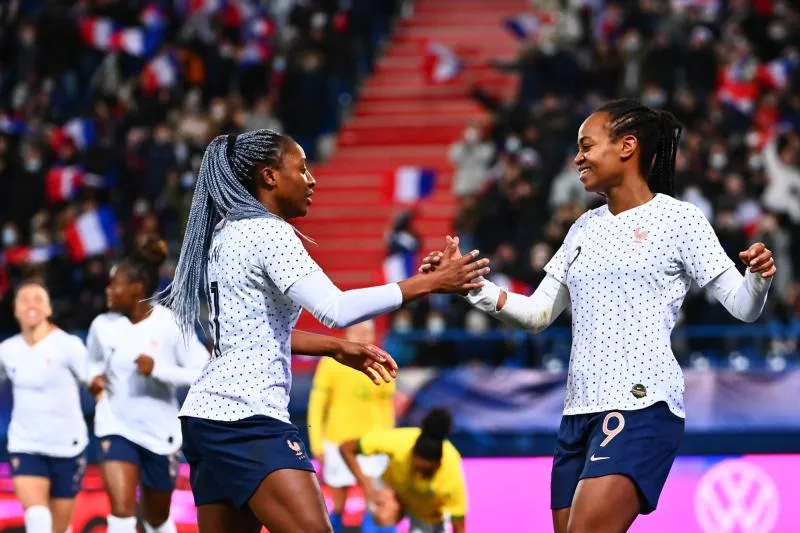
point(32, 306)
point(291, 184)
point(601, 160)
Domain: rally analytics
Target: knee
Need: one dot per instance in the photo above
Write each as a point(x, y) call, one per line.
point(123, 507)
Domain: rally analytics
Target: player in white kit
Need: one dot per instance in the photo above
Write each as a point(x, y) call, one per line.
point(47, 436)
point(137, 359)
point(248, 464)
point(625, 268)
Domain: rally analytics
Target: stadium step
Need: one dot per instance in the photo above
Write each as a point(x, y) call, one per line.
point(401, 118)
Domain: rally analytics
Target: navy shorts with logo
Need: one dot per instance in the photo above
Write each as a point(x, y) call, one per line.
point(158, 472)
point(641, 444)
point(65, 473)
point(229, 460)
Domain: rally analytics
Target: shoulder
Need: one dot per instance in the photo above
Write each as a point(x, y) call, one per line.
point(104, 322)
point(67, 339)
point(451, 452)
point(261, 228)
point(679, 208)
point(10, 344)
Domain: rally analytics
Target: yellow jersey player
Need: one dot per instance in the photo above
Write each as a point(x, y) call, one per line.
point(424, 480)
point(346, 405)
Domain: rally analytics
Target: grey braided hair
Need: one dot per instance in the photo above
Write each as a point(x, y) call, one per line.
point(224, 189)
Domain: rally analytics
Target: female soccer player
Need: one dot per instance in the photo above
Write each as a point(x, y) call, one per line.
point(137, 359)
point(625, 267)
point(424, 479)
point(47, 436)
point(248, 464)
point(344, 405)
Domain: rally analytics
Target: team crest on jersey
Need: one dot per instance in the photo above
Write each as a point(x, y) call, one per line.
point(639, 236)
point(14, 463)
point(105, 445)
point(296, 448)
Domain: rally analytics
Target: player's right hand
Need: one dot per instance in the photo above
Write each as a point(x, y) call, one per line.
point(97, 386)
point(433, 259)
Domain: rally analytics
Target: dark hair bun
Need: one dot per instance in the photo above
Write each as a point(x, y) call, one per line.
point(153, 251)
point(437, 424)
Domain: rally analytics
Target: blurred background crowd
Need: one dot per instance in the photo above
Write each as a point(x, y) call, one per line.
point(111, 103)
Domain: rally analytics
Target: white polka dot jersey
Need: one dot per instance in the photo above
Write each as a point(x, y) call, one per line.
point(252, 263)
point(47, 417)
point(627, 276)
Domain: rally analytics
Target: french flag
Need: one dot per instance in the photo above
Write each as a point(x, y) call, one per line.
point(778, 73)
point(254, 53)
point(399, 266)
point(259, 28)
point(61, 183)
point(511, 284)
point(135, 41)
point(153, 17)
point(160, 73)
point(11, 125)
point(409, 184)
point(91, 233)
point(31, 255)
point(82, 132)
point(441, 64)
point(523, 26)
point(97, 32)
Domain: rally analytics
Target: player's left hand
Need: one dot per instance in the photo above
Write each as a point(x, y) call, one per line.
point(145, 364)
point(367, 359)
point(758, 259)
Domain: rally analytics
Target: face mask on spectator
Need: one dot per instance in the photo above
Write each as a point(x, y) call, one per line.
point(33, 164)
point(471, 135)
point(401, 324)
point(718, 161)
point(755, 162)
point(9, 236)
point(435, 324)
point(187, 180)
point(140, 207)
point(476, 322)
point(512, 144)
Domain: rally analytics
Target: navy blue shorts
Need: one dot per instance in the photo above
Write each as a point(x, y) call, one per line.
point(640, 444)
point(158, 472)
point(229, 460)
point(65, 473)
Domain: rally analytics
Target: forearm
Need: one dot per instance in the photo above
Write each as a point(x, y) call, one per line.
point(176, 375)
point(743, 296)
point(349, 451)
point(305, 343)
point(534, 312)
point(340, 309)
point(414, 287)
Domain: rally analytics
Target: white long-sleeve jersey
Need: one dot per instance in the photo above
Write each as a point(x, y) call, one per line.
point(46, 378)
point(142, 409)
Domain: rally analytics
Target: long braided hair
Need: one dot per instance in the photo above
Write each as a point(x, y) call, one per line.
point(225, 189)
point(659, 134)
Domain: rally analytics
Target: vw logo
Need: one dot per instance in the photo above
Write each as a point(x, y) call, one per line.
point(736, 496)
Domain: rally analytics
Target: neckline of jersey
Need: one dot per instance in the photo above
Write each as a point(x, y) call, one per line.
point(633, 209)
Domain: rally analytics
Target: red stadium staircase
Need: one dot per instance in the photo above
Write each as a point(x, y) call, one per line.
point(401, 118)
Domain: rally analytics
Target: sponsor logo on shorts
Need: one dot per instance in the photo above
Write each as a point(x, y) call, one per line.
point(736, 495)
point(297, 448)
point(594, 458)
point(105, 445)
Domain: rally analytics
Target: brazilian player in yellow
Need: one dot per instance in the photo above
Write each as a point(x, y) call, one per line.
point(344, 405)
point(424, 480)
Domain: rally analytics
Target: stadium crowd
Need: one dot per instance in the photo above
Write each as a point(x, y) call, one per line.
point(110, 103)
point(727, 70)
point(118, 115)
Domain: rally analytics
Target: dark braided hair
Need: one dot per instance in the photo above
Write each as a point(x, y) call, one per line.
point(143, 265)
point(435, 427)
point(658, 133)
point(225, 188)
